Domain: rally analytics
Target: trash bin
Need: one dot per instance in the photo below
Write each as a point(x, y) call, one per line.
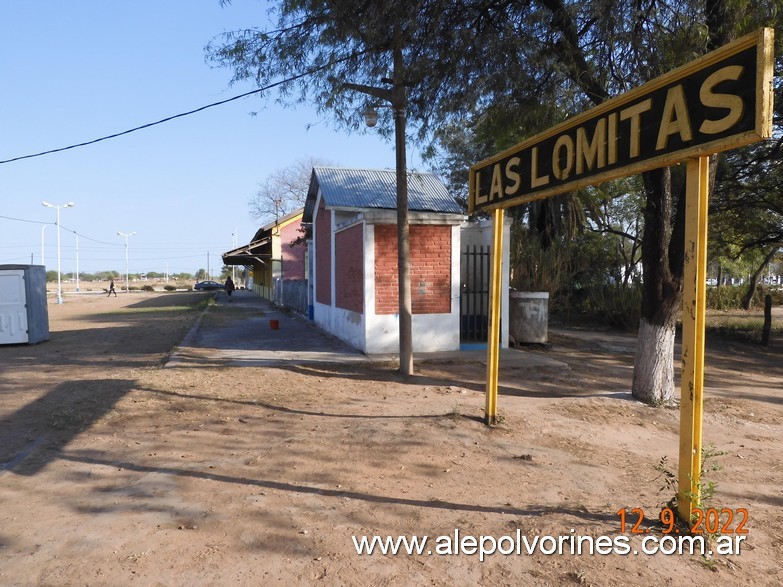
point(528, 316)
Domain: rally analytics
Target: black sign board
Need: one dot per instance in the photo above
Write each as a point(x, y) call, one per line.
point(717, 102)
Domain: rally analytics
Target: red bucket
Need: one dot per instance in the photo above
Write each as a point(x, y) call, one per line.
point(274, 325)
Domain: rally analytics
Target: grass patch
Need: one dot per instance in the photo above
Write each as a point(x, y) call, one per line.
point(741, 325)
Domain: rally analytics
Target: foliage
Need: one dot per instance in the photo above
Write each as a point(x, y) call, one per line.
point(284, 190)
point(584, 276)
point(707, 488)
point(169, 287)
point(617, 306)
point(729, 297)
point(147, 288)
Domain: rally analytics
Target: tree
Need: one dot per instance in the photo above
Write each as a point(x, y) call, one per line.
point(535, 64)
point(284, 190)
point(603, 48)
point(748, 206)
point(334, 54)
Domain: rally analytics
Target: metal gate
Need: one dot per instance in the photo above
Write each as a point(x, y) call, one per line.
point(474, 298)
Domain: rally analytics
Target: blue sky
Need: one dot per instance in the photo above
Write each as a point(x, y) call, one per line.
point(75, 70)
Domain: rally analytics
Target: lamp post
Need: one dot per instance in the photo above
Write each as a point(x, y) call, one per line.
point(58, 206)
point(397, 97)
point(127, 281)
point(43, 261)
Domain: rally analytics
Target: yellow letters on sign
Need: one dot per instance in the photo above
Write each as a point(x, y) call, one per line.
point(675, 118)
point(730, 102)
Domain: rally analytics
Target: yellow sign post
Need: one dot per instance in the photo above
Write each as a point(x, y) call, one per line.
point(718, 102)
point(694, 309)
point(493, 342)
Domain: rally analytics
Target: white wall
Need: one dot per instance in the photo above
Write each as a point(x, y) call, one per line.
point(431, 332)
point(344, 324)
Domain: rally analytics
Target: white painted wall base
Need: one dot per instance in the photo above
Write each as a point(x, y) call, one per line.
point(431, 332)
point(344, 324)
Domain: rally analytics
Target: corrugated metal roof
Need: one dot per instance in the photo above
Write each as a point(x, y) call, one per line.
point(377, 188)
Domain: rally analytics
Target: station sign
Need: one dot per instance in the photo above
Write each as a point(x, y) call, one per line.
point(720, 101)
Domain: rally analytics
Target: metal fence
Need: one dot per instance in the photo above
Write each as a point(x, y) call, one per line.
point(292, 294)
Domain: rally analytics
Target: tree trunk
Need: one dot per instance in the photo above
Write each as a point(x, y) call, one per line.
point(662, 255)
point(663, 251)
point(754, 279)
point(653, 369)
point(767, 320)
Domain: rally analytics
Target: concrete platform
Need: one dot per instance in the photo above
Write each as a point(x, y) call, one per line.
point(239, 333)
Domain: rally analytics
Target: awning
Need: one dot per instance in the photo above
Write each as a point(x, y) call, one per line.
point(259, 251)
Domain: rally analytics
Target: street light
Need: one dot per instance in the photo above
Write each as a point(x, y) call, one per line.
point(397, 97)
point(58, 206)
point(127, 283)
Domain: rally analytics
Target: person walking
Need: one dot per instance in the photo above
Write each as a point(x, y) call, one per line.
point(229, 287)
point(111, 289)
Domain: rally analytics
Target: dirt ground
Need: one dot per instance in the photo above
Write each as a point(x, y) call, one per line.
point(116, 470)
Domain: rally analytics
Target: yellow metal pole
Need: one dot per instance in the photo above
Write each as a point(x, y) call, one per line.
point(493, 341)
point(694, 311)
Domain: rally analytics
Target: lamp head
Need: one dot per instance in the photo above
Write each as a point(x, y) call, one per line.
point(370, 116)
point(47, 204)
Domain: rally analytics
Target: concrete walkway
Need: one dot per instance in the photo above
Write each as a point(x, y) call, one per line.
point(240, 333)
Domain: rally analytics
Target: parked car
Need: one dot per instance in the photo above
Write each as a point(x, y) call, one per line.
point(207, 285)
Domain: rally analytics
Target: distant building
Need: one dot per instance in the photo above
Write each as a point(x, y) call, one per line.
point(275, 261)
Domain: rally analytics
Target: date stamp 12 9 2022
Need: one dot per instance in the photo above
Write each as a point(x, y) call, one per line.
point(710, 521)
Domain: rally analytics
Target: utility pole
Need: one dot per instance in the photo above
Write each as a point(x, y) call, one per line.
point(127, 279)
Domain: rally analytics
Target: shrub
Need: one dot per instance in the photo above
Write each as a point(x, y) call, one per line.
point(617, 306)
point(725, 297)
point(147, 288)
point(170, 287)
point(730, 297)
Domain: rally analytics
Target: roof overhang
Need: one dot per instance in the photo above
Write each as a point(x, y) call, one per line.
point(259, 251)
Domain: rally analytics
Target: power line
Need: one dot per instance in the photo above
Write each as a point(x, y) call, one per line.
point(30, 221)
point(182, 114)
point(126, 132)
point(63, 228)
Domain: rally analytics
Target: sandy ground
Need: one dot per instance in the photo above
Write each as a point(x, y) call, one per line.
point(115, 470)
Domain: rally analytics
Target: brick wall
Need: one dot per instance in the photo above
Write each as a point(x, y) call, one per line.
point(323, 256)
point(430, 269)
point(293, 255)
point(349, 269)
